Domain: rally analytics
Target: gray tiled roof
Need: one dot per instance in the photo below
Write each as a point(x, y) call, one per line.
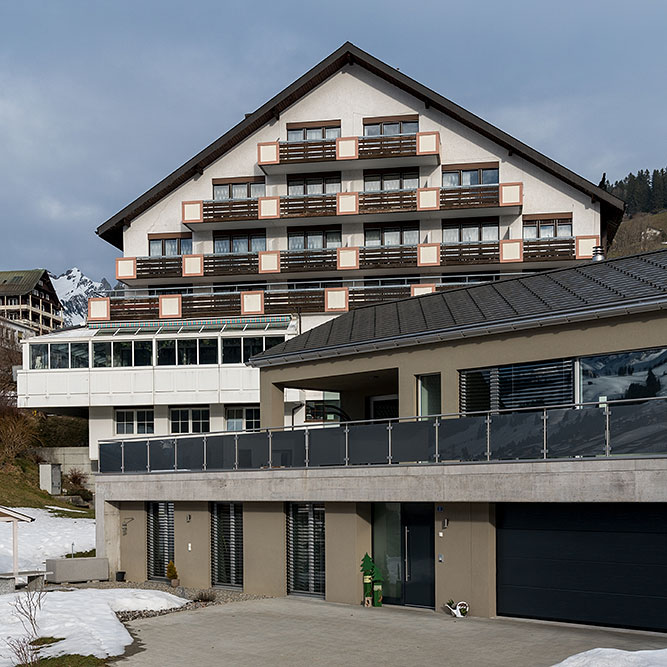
point(583, 291)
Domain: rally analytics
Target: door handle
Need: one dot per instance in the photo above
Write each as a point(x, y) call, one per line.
point(405, 559)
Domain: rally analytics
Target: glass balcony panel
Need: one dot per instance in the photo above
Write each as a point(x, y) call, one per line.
point(462, 439)
point(190, 453)
point(638, 428)
point(517, 436)
point(220, 452)
point(413, 442)
point(288, 449)
point(326, 447)
point(136, 456)
point(162, 454)
point(368, 444)
point(253, 450)
point(575, 432)
point(110, 457)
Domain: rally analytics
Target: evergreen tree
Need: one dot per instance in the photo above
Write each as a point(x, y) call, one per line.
point(657, 190)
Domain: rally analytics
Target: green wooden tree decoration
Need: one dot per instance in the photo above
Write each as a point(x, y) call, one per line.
point(369, 568)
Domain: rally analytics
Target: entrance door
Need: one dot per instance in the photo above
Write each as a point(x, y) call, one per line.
point(305, 549)
point(403, 546)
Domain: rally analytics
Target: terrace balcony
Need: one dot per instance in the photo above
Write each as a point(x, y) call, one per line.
point(285, 157)
point(577, 431)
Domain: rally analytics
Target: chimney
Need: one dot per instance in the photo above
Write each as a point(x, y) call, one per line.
point(598, 253)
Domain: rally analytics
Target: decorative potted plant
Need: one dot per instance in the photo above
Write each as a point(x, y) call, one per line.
point(172, 574)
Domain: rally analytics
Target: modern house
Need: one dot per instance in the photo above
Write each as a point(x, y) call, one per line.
point(29, 299)
point(354, 185)
point(524, 470)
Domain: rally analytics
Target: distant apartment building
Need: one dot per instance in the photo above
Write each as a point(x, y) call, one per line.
point(29, 299)
point(355, 185)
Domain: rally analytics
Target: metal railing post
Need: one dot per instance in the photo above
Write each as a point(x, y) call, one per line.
point(270, 437)
point(236, 451)
point(488, 437)
point(389, 443)
point(148, 456)
point(175, 453)
point(347, 445)
point(436, 425)
point(122, 457)
point(306, 439)
point(204, 453)
point(607, 431)
point(544, 433)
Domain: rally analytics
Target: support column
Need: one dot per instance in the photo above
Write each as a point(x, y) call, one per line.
point(272, 404)
point(133, 539)
point(192, 544)
point(264, 549)
point(347, 537)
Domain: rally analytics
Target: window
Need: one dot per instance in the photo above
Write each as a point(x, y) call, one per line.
point(231, 350)
point(313, 184)
point(129, 422)
point(145, 421)
point(187, 352)
point(313, 239)
point(208, 350)
point(547, 228)
point(242, 418)
point(252, 346)
point(428, 399)
point(170, 245)
point(190, 420)
point(313, 131)
point(39, 356)
point(246, 189)
point(122, 354)
point(390, 126)
point(272, 341)
point(466, 177)
point(102, 355)
point(166, 353)
point(124, 422)
point(79, 355)
point(392, 235)
point(143, 352)
point(241, 242)
point(470, 231)
point(391, 180)
point(59, 355)
point(227, 544)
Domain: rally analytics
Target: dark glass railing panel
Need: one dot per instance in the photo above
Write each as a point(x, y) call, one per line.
point(135, 456)
point(413, 441)
point(253, 450)
point(288, 449)
point(368, 444)
point(638, 429)
point(190, 453)
point(111, 457)
point(462, 439)
point(326, 446)
point(575, 432)
point(220, 452)
point(517, 436)
point(162, 455)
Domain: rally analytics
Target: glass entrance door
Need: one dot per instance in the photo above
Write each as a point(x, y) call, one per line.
point(403, 550)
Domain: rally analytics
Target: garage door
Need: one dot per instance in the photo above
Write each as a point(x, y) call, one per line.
point(602, 564)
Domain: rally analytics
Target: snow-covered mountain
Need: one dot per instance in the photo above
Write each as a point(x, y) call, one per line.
point(73, 289)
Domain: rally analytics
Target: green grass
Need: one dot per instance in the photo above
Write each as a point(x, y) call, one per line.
point(71, 661)
point(82, 554)
point(46, 641)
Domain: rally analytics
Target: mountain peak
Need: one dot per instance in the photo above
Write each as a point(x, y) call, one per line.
point(74, 288)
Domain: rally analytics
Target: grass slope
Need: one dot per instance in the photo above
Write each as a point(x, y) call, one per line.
point(641, 233)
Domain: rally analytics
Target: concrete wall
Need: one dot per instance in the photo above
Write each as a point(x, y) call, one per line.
point(347, 537)
point(69, 458)
point(192, 544)
point(133, 541)
point(264, 549)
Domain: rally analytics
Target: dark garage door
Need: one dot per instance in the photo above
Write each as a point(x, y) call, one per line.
point(602, 564)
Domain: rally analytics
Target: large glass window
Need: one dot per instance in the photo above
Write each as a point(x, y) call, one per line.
point(59, 355)
point(240, 242)
point(145, 421)
point(390, 127)
point(122, 353)
point(143, 352)
point(250, 189)
point(313, 133)
point(406, 233)
point(166, 352)
point(39, 356)
point(313, 184)
point(140, 421)
point(190, 420)
point(124, 422)
point(208, 351)
point(469, 177)
point(429, 402)
point(312, 239)
point(79, 355)
point(242, 418)
point(391, 180)
point(170, 247)
point(102, 355)
point(187, 352)
point(252, 346)
point(547, 229)
point(470, 231)
point(231, 350)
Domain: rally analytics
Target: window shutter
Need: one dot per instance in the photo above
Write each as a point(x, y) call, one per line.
point(305, 548)
point(227, 544)
point(160, 548)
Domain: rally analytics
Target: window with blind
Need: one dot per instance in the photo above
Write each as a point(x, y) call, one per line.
point(305, 548)
point(227, 544)
point(160, 530)
point(517, 386)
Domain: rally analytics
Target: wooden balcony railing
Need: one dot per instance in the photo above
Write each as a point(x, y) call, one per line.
point(388, 257)
point(228, 264)
point(318, 259)
point(481, 196)
point(400, 145)
point(307, 151)
point(386, 201)
point(230, 209)
point(307, 206)
point(540, 250)
point(159, 267)
point(487, 252)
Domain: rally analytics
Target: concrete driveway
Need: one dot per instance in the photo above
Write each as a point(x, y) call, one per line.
point(300, 631)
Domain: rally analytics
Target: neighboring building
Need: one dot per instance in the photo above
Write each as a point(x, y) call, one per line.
point(516, 461)
point(354, 185)
point(12, 332)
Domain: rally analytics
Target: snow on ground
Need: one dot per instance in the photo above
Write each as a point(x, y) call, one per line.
point(48, 536)
point(611, 657)
point(84, 618)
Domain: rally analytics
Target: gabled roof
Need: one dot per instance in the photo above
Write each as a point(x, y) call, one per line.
point(20, 282)
point(586, 292)
point(611, 207)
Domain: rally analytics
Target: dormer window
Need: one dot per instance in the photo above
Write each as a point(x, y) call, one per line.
point(313, 130)
point(245, 187)
point(391, 125)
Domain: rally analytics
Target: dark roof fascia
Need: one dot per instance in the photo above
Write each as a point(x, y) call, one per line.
point(460, 333)
point(111, 230)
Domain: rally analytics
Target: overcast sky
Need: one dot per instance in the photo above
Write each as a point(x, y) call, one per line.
point(99, 100)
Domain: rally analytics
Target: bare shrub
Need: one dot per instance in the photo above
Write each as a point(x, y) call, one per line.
point(205, 596)
point(26, 605)
point(23, 650)
point(17, 435)
point(76, 478)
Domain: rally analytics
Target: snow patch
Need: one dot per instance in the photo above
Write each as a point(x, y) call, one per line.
point(85, 619)
point(612, 657)
point(73, 289)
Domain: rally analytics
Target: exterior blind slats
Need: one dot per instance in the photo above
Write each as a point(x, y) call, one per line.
point(160, 532)
point(517, 386)
point(305, 548)
point(227, 544)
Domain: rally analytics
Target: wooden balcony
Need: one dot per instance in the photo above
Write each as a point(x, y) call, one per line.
point(229, 210)
point(482, 196)
point(458, 254)
point(543, 250)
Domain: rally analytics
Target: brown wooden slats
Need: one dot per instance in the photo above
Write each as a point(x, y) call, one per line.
point(230, 209)
point(540, 250)
point(294, 301)
point(308, 206)
point(211, 305)
point(317, 259)
point(483, 196)
point(387, 146)
point(134, 309)
point(470, 253)
point(159, 267)
point(359, 296)
point(389, 200)
point(224, 265)
point(387, 257)
point(308, 151)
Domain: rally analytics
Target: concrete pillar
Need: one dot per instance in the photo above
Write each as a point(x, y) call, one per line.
point(133, 539)
point(272, 404)
point(468, 548)
point(192, 544)
point(264, 549)
point(407, 394)
point(107, 525)
point(347, 537)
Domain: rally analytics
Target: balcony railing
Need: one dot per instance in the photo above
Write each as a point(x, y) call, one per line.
point(573, 431)
point(486, 252)
point(540, 250)
point(230, 209)
point(473, 197)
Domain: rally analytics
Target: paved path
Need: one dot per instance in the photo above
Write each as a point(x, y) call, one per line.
point(297, 632)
